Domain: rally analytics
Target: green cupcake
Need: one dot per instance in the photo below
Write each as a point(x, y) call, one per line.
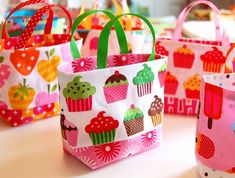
point(144, 81)
point(78, 95)
point(133, 120)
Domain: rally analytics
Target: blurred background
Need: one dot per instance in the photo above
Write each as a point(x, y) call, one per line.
point(162, 13)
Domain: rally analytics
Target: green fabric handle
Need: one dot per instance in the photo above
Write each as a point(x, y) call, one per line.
point(119, 30)
point(104, 37)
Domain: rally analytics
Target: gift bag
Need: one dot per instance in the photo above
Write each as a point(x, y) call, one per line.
point(215, 146)
point(188, 59)
point(92, 26)
point(110, 112)
point(28, 68)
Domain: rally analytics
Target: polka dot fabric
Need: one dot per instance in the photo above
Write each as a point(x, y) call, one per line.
point(215, 148)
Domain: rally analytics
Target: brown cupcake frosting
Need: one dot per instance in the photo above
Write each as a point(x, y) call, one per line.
point(156, 106)
point(117, 77)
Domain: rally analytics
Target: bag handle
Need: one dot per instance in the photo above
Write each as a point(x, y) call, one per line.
point(119, 30)
point(20, 6)
point(102, 54)
point(181, 19)
point(28, 13)
point(28, 31)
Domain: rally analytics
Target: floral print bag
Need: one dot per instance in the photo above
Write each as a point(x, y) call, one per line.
point(188, 59)
point(28, 70)
point(110, 111)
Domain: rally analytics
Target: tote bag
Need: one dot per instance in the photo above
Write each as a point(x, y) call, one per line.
point(188, 59)
point(28, 67)
point(110, 112)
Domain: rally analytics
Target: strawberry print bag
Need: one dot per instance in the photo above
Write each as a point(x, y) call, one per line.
point(28, 68)
point(215, 146)
point(188, 59)
point(110, 111)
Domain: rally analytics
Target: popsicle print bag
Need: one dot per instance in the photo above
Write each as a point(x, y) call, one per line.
point(92, 26)
point(188, 59)
point(111, 112)
point(215, 146)
point(28, 68)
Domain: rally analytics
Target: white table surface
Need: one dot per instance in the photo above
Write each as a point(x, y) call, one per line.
point(35, 150)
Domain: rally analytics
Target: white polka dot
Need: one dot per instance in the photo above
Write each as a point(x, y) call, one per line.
point(29, 68)
point(18, 65)
point(32, 57)
point(23, 55)
point(107, 149)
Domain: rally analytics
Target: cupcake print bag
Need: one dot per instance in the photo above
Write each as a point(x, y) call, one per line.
point(28, 68)
point(110, 112)
point(188, 59)
point(215, 146)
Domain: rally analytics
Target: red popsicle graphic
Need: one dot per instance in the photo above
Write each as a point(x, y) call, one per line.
point(205, 146)
point(213, 103)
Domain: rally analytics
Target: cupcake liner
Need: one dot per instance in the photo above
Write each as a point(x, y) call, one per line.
point(144, 89)
point(183, 60)
point(194, 94)
point(157, 119)
point(212, 67)
point(134, 126)
point(103, 137)
point(115, 93)
point(71, 137)
point(161, 77)
point(79, 105)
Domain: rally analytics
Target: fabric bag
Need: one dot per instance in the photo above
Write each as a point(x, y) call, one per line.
point(215, 146)
point(28, 68)
point(91, 28)
point(188, 59)
point(110, 112)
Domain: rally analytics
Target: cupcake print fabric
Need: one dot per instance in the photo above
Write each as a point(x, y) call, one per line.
point(114, 112)
point(188, 59)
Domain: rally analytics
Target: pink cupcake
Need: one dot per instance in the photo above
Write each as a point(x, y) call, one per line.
point(115, 88)
point(69, 131)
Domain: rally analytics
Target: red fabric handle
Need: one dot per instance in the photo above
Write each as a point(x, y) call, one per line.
point(20, 6)
point(24, 38)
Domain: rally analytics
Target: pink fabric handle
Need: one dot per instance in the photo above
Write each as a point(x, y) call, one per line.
point(177, 34)
point(20, 6)
point(24, 38)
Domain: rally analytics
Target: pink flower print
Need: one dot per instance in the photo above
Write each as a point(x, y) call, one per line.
point(148, 139)
point(107, 152)
point(83, 64)
point(123, 60)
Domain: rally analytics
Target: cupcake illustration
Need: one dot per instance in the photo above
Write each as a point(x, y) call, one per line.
point(102, 129)
point(115, 88)
point(162, 74)
point(183, 57)
point(144, 81)
point(78, 95)
point(171, 84)
point(160, 49)
point(192, 87)
point(68, 130)
point(133, 121)
point(213, 60)
point(156, 111)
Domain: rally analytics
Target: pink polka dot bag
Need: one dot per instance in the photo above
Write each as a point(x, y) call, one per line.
point(111, 105)
point(28, 68)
